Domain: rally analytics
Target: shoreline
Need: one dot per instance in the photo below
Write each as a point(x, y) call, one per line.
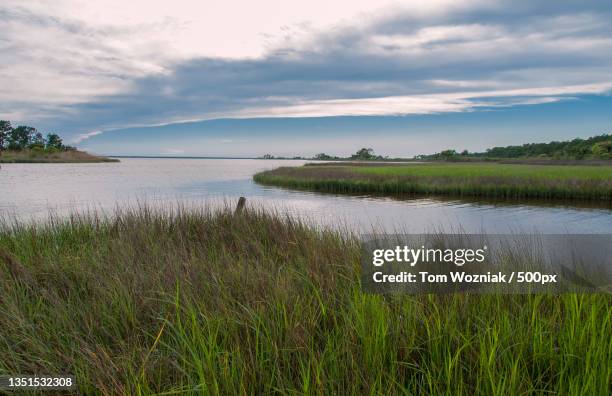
point(54, 157)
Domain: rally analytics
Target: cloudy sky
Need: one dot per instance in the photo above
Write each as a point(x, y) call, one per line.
point(243, 78)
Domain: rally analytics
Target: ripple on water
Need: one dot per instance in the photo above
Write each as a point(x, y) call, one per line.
point(33, 190)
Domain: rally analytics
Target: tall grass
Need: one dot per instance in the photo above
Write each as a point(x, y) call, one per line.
point(199, 302)
point(57, 156)
point(484, 180)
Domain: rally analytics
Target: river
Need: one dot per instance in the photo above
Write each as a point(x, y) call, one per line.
point(30, 192)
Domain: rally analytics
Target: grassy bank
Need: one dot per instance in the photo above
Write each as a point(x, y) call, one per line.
point(195, 302)
point(483, 179)
point(45, 156)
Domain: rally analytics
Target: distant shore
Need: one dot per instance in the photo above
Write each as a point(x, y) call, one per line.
point(44, 156)
point(178, 157)
point(387, 161)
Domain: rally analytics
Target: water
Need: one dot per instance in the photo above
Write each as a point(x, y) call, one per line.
point(32, 191)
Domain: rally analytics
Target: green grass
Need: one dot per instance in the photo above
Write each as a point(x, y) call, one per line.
point(202, 303)
point(483, 179)
point(493, 170)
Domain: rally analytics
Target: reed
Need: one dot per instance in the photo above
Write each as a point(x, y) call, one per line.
point(482, 180)
point(211, 302)
point(50, 156)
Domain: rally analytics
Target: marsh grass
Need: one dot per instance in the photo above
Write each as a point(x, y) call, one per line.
point(483, 180)
point(36, 156)
point(201, 302)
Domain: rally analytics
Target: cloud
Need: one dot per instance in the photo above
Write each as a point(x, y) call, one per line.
point(84, 136)
point(108, 70)
point(426, 104)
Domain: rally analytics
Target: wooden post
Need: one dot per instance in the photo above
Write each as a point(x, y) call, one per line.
point(240, 206)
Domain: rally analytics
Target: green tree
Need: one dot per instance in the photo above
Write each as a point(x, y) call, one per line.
point(38, 142)
point(322, 156)
point(5, 130)
point(20, 137)
point(602, 149)
point(364, 154)
point(54, 141)
point(448, 153)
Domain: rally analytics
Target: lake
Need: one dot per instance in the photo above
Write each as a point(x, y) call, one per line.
point(30, 192)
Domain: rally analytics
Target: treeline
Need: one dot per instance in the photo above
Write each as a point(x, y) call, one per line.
point(25, 137)
point(270, 157)
point(596, 147)
point(364, 154)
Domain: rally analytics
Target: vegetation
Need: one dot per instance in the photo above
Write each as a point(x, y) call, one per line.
point(26, 144)
point(25, 137)
point(597, 147)
point(197, 302)
point(36, 156)
point(482, 179)
point(364, 154)
point(270, 157)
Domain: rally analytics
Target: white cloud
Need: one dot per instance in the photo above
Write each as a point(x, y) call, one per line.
point(84, 136)
point(68, 52)
point(87, 66)
point(425, 104)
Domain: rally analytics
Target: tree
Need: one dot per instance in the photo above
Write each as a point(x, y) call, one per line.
point(448, 153)
point(27, 137)
point(322, 156)
point(20, 137)
point(5, 130)
point(602, 149)
point(364, 154)
point(54, 141)
point(38, 142)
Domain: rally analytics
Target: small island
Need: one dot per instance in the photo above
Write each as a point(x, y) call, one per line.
point(25, 144)
point(578, 169)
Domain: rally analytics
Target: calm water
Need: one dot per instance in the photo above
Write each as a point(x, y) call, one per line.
point(32, 191)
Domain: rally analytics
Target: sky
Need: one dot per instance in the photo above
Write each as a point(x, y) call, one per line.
point(243, 78)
